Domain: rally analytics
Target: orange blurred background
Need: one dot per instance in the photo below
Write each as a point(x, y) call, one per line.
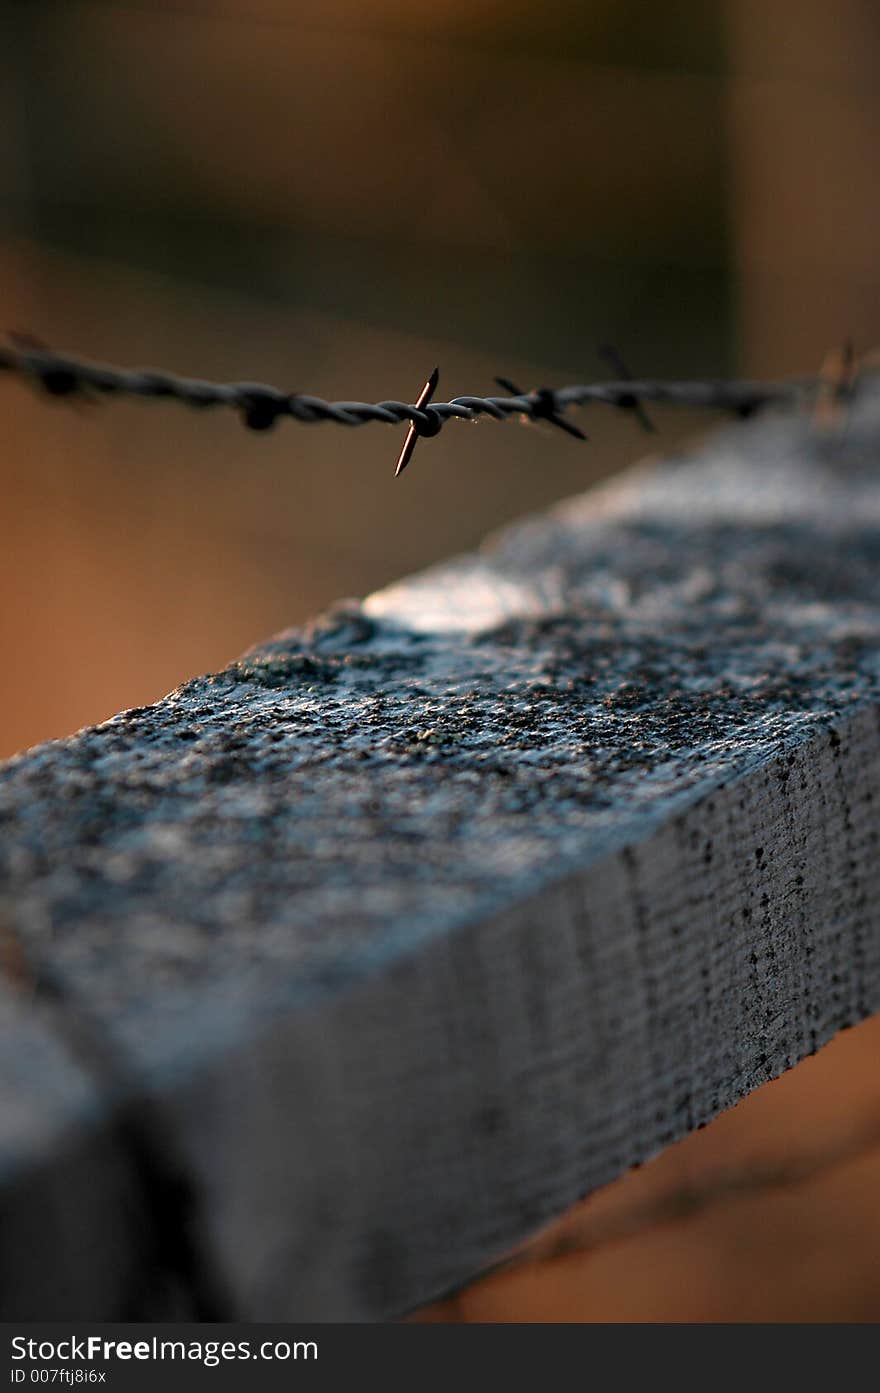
point(333, 198)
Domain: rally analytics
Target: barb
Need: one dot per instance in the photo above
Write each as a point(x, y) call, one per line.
point(837, 381)
point(629, 401)
point(433, 428)
point(545, 407)
point(260, 406)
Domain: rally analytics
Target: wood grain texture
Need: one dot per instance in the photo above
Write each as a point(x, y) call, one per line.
point(387, 943)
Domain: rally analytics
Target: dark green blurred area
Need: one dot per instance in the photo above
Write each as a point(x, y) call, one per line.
point(529, 181)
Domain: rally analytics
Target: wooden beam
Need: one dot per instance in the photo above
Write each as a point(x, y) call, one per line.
point(378, 949)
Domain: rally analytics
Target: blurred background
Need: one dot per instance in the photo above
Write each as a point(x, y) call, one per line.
point(333, 198)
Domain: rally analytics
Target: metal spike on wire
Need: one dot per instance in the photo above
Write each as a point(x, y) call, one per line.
point(261, 406)
point(628, 401)
point(431, 425)
point(544, 407)
point(837, 383)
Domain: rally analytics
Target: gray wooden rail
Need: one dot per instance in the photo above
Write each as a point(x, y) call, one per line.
point(334, 974)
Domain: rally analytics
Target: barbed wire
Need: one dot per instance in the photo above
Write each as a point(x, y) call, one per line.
point(261, 406)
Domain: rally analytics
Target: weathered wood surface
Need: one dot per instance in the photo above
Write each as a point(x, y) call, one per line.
point(333, 975)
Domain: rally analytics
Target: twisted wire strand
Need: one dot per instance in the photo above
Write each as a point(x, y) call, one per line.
point(261, 405)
